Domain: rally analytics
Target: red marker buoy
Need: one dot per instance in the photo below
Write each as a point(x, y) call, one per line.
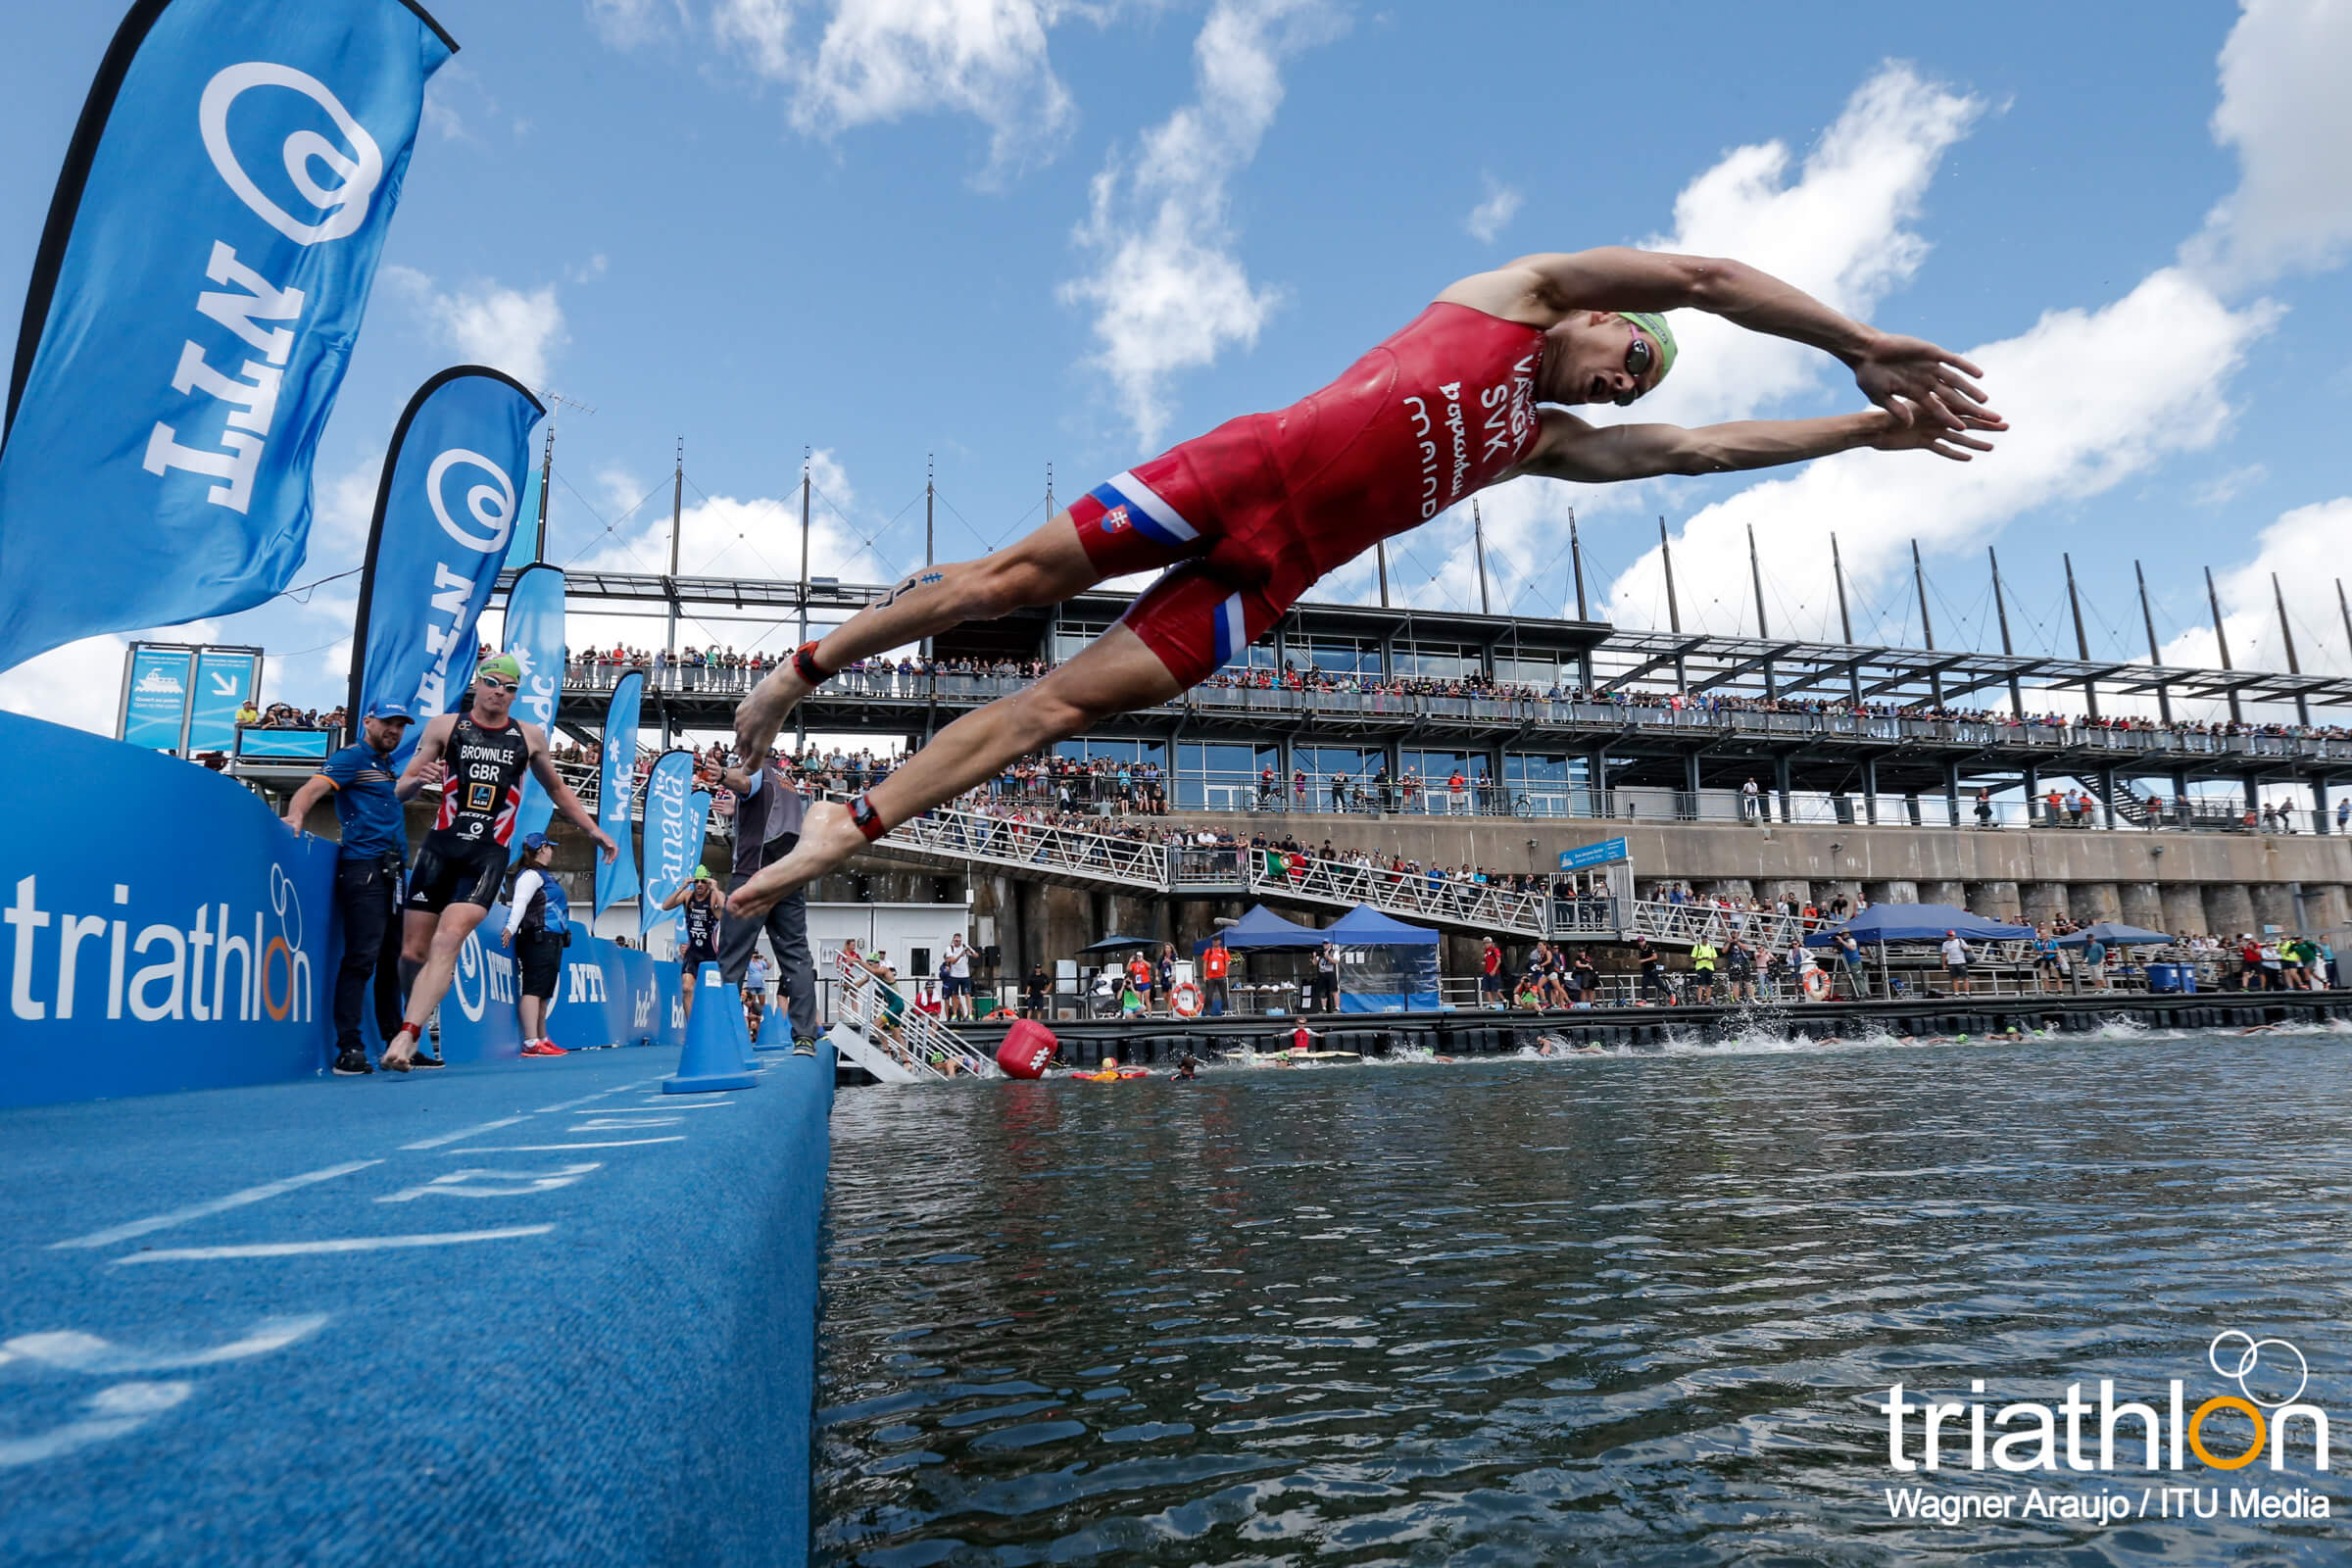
point(1028, 1045)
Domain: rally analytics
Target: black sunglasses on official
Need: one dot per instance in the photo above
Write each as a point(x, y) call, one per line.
point(1639, 358)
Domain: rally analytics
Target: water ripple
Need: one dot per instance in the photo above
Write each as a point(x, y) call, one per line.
point(1618, 1310)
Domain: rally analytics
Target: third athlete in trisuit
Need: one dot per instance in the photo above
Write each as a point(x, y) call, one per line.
point(478, 758)
point(704, 903)
point(1473, 391)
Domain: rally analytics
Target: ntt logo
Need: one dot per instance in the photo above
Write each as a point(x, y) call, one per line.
point(2078, 1435)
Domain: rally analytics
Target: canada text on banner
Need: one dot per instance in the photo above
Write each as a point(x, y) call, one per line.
point(534, 636)
point(194, 299)
point(671, 844)
point(617, 787)
point(444, 512)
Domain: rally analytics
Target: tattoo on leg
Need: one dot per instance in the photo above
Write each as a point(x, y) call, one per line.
point(921, 579)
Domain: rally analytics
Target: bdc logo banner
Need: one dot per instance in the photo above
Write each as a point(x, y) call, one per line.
point(205, 269)
point(444, 511)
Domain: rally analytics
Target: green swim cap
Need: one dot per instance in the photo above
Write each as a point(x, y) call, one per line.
point(1654, 324)
point(702, 873)
point(503, 665)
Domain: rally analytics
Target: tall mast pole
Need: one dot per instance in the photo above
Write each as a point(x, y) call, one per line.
point(1674, 608)
point(930, 492)
point(2220, 641)
point(805, 457)
point(2293, 666)
point(1576, 554)
point(2343, 607)
point(547, 477)
point(1845, 620)
point(1846, 627)
point(1927, 626)
point(1478, 542)
point(2090, 687)
point(2147, 619)
point(1755, 571)
point(2000, 605)
point(677, 507)
point(1379, 553)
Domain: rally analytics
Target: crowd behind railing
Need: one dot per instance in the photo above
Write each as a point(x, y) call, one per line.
point(724, 670)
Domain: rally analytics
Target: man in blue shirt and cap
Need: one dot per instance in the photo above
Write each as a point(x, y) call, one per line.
point(367, 875)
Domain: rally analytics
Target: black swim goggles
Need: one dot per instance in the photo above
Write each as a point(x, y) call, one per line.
point(1639, 358)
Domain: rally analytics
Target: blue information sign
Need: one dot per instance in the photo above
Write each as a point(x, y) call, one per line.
point(1605, 853)
point(155, 709)
point(225, 678)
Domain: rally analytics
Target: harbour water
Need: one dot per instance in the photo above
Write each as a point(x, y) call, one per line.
point(1616, 1310)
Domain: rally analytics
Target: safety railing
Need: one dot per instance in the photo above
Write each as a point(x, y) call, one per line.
point(908, 1037)
point(1010, 841)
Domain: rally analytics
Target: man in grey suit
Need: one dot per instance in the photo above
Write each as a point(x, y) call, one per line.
point(767, 824)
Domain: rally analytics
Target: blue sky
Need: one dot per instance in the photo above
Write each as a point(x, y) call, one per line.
point(1018, 232)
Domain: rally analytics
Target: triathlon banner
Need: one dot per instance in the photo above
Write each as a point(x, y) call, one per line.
point(444, 512)
point(204, 271)
point(534, 635)
point(617, 790)
point(671, 845)
point(135, 973)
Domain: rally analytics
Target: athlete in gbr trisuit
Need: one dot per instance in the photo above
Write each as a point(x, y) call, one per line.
point(478, 758)
point(1476, 390)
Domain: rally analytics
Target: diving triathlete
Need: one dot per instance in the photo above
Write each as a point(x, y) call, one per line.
point(700, 898)
point(478, 759)
point(1473, 391)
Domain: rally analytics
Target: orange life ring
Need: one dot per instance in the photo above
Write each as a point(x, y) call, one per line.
point(1817, 985)
point(1001, 1013)
point(1185, 1000)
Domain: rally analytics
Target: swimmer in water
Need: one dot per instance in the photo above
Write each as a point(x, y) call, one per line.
point(1188, 1067)
point(1475, 390)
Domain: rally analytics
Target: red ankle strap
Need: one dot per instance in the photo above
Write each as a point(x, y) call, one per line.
point(805, 665)
point(869, 821)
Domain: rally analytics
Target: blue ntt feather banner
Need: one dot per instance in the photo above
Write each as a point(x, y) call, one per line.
point(534, 635)
point(443, 512)
point(199, 284)
point(616, 878)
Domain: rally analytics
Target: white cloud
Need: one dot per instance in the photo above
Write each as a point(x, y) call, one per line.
point(880, 60)
point(1841, 231)
point(2305, 549)
point(2228, 487)
point(1494, 214)
point(507, 329)
point(1167, 290)
point(80, 684)
point(2285, 112)
point(2093, 397)
point(626, 24)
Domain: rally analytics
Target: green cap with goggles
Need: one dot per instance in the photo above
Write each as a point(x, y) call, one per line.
point(1654, 324)
point(501, 667)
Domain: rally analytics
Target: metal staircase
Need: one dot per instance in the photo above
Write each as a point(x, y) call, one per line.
point(910, 1048)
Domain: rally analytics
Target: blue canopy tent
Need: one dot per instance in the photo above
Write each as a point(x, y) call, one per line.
point(1385, 964)
point(1919, 922)
point(1264, 931)
point(2116, 934)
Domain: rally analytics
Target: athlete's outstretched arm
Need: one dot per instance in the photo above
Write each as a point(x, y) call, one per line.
point(1571, 449)
point(1900, 374)
point(543, 768)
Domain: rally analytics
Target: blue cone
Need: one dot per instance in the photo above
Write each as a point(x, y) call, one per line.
point(775, 1028)
point(711, 1058)
point(740, 1031)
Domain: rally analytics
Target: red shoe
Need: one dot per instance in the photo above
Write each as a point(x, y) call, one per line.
point(542, 1048)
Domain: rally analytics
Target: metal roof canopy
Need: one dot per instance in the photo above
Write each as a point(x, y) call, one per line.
point(1621, 658)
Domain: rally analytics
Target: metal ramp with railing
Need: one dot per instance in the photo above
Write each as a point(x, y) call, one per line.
point(905, 1046)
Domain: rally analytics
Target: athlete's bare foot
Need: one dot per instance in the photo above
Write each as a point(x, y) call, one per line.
point(829, 838)
point(759, 717)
